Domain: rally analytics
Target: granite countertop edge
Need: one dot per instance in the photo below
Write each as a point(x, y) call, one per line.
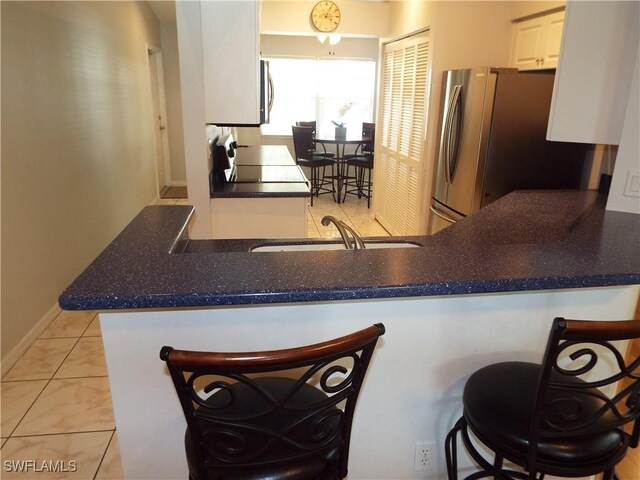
point(515, 244)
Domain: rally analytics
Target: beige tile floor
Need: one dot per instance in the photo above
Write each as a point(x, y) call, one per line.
point(56, 406)
point(353, 211)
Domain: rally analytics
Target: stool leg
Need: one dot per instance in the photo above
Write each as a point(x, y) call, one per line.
point(369, 189)
point(346, 182)
point(313, 183)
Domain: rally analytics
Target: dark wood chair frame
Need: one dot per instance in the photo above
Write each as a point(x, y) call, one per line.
point(320, 183)
point(312, 124)
point(560, 388)
point(362, 161)
point(337, 386)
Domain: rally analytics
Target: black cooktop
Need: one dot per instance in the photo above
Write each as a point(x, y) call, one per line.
point(266, 174)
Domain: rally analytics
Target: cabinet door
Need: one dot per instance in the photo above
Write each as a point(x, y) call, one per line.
point(594, 75)
point(529, 42)
point(537, 42)
point(550, 53)
point(398, 186)
point(230, 51)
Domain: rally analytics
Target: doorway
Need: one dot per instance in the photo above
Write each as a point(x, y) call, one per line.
point(161, 137)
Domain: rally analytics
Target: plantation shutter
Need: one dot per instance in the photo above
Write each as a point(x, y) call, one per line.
point(400, 136)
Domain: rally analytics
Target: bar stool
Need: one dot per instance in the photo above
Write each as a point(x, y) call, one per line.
point(321, 183)
point(362, 162)
point(563, 417)
point(312, 124)
point(273, 415)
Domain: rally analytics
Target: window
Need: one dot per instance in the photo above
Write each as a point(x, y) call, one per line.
point(321, 90)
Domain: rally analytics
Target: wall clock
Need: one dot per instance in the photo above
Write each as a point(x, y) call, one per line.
point(325, 16)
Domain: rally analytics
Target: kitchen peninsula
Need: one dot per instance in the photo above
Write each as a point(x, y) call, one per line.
point(481, 291)
point(266, 195)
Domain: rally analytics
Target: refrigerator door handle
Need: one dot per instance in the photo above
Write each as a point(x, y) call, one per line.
point(454, 131)
point(441, 215)
point(448, 130)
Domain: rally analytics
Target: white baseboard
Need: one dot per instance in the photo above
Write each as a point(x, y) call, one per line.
point(179, 183)
point(23, 345)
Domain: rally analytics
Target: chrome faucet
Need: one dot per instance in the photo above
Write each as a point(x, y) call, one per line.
point(344, 229)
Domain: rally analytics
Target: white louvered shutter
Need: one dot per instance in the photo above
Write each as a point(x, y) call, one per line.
point(400, 135)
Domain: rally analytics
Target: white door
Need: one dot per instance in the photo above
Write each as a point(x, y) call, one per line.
point(159, 122)
point(400, 136)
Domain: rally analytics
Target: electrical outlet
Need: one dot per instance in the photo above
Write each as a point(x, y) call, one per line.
point(632, 184)
point(424, 456)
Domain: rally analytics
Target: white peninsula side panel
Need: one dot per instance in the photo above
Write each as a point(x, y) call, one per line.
point(412, 391)
point(275, 217)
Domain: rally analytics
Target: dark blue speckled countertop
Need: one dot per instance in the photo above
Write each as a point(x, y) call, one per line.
point(528, 240)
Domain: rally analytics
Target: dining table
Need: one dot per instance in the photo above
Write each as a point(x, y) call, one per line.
point(328, 137)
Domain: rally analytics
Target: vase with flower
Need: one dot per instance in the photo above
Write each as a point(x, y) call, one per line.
point(341, 130)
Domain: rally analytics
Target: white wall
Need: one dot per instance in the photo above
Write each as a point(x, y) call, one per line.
point(369, 19)
point(524, 9)
point(288, 45)
point(77, 144)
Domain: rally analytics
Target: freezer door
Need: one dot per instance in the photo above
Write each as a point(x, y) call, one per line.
point(464, 137)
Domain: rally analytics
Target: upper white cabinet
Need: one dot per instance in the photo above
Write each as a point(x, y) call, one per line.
point(537, 42)
point(231, 61)
point(594, 74)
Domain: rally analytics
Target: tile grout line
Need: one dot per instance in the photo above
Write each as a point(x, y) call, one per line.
point(63, 433)
point(104, 454)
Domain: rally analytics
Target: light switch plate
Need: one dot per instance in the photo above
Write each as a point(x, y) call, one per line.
point(632, 185)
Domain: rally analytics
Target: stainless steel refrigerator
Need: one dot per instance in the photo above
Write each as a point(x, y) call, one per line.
point(492, 130)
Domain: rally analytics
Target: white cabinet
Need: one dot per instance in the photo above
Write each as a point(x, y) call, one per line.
point(537, 42)
point(231, 61)
point(593, 79)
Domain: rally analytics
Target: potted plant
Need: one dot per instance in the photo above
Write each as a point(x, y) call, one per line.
point(341, 130)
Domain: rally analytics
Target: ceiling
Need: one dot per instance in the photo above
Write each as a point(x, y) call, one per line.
point(164, 10)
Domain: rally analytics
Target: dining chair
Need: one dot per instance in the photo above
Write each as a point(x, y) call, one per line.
point(271, 415)
point(321, 183)
point(362, 162)
point(565, 417)
point(324, 153)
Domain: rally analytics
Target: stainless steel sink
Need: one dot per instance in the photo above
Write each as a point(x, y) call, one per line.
point(314, 247)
